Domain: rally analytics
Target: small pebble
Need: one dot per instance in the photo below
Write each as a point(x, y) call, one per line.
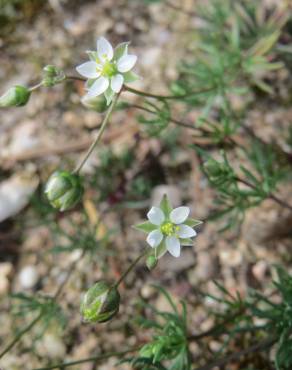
point(28, 277)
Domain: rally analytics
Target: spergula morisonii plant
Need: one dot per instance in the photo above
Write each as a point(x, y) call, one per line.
point(236, 50)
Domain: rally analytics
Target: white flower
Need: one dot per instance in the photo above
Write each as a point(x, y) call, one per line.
point(172, 229)
point(168, 228)
point(108, 69)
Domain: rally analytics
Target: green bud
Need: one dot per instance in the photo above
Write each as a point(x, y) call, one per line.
point(100, 303)
point(16, 96)
point(64, 190)
point(151, 262)
point(51, 70)
point(98, 104)
point(52, 75)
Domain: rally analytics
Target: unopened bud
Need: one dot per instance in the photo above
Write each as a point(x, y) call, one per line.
point(100, 303)
point(64, 190)
point(52, 75)
point(16, 96)
point(51, 70)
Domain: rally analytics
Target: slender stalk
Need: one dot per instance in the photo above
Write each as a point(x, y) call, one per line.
point(155, 96)
point(99, 135)
point(228, 139)
point(35, 87)
point(21, 333)
point(130, 268)
point(176, 122)
point(149, 95)
point(76, 78)
point(271, 196)
point(89, 359)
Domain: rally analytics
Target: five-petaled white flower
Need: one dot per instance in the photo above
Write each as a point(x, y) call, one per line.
point(108, 69)
point(168, 228)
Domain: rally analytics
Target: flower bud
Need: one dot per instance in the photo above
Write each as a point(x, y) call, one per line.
point(16, 96)
point(52, 75)
point(64, 190)
point(97, 104)
point(51, 70)
point(100, 303)
point(151, 262)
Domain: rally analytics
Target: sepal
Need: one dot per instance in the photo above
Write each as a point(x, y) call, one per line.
point(165, 205)
point(146, 227)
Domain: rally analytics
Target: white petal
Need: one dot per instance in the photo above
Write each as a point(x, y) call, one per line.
point(104, 49)
point(179, 215)
point(173, 246)
point(117, 83)
point(98, 87)
point(126, 62)
point(156, 216)
point(154, 238)
point(186, 231)
point(89, 70)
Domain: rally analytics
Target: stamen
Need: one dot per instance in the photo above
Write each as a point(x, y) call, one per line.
point(169, 229)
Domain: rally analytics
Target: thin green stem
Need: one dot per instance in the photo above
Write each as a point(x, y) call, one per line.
point(179, 123)
point(21, 333)
point(167, 97)
point(89, 359)
point(149, 95)
point(176, 122)
point(130, 268)
point(76, 78)
point(271, 196)
point(99, 135)
point(35, 87)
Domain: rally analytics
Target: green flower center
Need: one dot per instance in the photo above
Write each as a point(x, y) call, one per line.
point(108, 69)
point(169, 229)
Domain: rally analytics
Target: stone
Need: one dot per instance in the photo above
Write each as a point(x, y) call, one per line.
point(28, 277)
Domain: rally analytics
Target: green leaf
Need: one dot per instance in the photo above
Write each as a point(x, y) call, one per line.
point(130, 77)
point(165, 205)
point(146, 227)
point(264, 86)
point(192, 222)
